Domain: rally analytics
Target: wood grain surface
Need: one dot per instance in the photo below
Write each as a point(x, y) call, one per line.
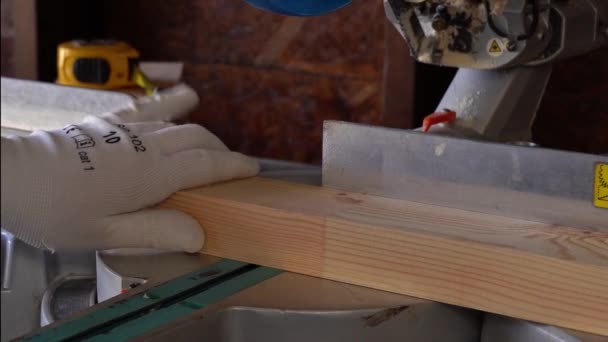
point(497, 264)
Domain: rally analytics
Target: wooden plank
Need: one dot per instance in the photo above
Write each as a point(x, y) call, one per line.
point(527, 270)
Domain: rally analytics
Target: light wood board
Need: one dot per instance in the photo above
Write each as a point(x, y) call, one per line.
point(533, 271)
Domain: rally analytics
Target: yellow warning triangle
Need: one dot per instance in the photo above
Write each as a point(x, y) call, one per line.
point(494, 47)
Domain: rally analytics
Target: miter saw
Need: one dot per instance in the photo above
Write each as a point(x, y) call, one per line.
point(504, 49)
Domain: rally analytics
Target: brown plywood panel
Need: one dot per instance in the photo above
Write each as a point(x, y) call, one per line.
point(347, 42)
point(266, 81)
point(276, 113)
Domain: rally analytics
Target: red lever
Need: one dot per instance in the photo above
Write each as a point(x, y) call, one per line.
point(447, 116)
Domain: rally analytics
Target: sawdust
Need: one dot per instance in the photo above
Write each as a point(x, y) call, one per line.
point(383, 316)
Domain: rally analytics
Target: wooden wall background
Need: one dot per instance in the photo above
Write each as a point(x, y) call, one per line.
point(7, 66)
point(266, 82)
point(574, 112)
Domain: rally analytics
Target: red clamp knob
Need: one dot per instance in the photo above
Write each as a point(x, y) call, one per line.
point(447, 116)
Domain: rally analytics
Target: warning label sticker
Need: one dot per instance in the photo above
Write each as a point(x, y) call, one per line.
point(600, 186)
point(495, 47)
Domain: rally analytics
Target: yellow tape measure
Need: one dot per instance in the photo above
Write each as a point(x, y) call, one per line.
point(101, 64)
point(600, 186)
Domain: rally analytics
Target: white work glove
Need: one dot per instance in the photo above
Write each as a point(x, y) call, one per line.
point(90, 186)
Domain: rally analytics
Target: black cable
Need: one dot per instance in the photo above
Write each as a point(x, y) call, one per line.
point(534, 24)
point(529, 32)
point(491, 23)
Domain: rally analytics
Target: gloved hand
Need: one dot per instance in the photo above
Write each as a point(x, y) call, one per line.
point(91, 185)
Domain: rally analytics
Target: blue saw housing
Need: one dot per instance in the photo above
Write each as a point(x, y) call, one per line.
point(300, 8)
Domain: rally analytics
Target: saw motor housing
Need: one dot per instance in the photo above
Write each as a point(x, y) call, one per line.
point(491, 34)
point(503, 49)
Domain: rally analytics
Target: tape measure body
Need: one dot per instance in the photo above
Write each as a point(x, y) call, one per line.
point(96, 64)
